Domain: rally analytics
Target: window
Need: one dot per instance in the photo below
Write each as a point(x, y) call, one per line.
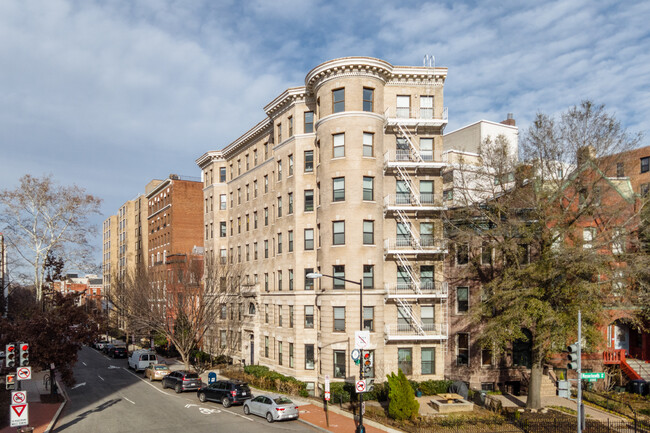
point(309, 161)
point(255, 157)
point(309, 239)
point(403, 106)
point(427, 315)
point(426, 107)
point(290, 237)
point(404, 278)
point(403, 234)
point(368, 188)
point(339, 363)
point(279, 170)
point(368, 148)
point(338, 187)
point(644, 189)
point(588, 237)
point(618, 241)
point(368, 276)
point(462, 254)
point(222, 229)
point(368, 97)
point(524, 254)
point(266, 248)
point(426, 234)
point(266, 347)
point(462, 299)
point(405, 360)
point(280, 315)
point(428, 360)
point(338, 233)
point(224, 312)
point(426, 149)
point(290, 126)
point(339, 275)
point(280, 289)
point(309, 122)
point(620, 169)
point(222, 201)
point(255, 220)
point(368, 232)
point(309, 357)
point(338, 100)
point(279, 353)
point(266, 281)
point(486, 254)
point(291, 288)
point(309, 316)
point(645, 164)
point(486, 357)
point(426, 191)
point(309, 200)
point(338, 146)
point(255, 250)
point(309, 282)
point(279, 207)
point(290, 355)
point(462, 348)
point(222, 174)
point(266, 216)
point(279, 133)
point(290, 165)
point(339, 319)
point(266, 183)
point(369, 318)
point(223, 256)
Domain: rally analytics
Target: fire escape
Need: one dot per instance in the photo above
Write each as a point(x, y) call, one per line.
point(414, 245)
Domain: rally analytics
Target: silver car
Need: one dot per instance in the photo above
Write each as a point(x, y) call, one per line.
point(271, 407)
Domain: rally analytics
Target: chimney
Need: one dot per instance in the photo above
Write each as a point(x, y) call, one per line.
point(509, 121)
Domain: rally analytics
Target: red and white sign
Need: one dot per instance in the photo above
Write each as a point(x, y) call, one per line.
point(361, 386)
point(327, 383)
point(19, 415)
point(24, 373)
point(327, 396)
point(18, 397)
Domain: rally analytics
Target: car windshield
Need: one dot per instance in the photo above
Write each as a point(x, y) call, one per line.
point(161, 367)
point(282, 400)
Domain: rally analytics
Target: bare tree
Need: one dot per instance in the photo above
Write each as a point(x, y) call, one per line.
point(185, 305)
point(557, 226)
point(41, 217)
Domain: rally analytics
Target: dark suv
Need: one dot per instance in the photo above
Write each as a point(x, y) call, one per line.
point(182, 380)
point(117, 352)
point(228, 392)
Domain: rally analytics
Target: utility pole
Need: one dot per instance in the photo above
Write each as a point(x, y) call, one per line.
point(581, 408)
point(361, 428)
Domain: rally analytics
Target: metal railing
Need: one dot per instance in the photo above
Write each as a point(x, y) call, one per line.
point(408, 199)
point(424, 288)
point(430, 330)
point(422, 244)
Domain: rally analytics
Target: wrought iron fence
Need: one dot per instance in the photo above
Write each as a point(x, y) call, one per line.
point(536, 426)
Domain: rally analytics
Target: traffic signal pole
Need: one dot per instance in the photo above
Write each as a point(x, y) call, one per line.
point(580, 407)
point(361, 428)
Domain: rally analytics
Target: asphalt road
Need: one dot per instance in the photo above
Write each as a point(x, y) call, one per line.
point(108, 397)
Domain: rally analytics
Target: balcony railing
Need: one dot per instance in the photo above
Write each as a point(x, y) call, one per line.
point(435, 331)
point(408, 200)
point(438, 289)
point(417, 116)
point(408, 158)
point(424, 244)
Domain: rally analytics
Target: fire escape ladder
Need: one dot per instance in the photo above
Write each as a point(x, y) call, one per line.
point(406, 265)
point(415, 194)
point(415, 236)
point(415, 153)
point(415, 322)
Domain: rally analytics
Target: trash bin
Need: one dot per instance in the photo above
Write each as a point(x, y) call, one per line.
point(636, 387)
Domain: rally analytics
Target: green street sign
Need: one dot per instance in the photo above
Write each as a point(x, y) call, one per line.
point(593, 376)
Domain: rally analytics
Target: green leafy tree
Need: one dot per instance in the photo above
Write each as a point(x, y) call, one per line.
point(401, 397)
point(550, 220)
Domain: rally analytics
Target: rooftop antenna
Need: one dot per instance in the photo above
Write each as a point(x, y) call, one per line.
point(429, 60)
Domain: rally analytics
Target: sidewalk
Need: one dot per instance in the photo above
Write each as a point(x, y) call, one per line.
point(42, 416)
point(590, 412)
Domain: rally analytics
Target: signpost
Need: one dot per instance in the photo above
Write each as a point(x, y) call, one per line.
point(361, 339)
point(361, 386)
point(327, 398)
point(24, 373)
point(592, 377)
point(19, 415)
point(18, 397)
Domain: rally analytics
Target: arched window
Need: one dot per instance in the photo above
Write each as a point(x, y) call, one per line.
point(251, 308)
point(522, 350)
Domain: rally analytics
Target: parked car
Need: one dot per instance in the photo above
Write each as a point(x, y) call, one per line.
point(272, 407)
point(99, 345)
point(107, 348)
point(228, 392)
point(182, 380)
point(156, 371)
point(141, 359)
point(117, 352)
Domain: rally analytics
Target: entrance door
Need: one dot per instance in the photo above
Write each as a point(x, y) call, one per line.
point(622, 337)
point(252, 351)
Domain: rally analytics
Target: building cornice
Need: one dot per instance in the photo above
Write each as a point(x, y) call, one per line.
point(357, 114)
point(208, 157)
point(285, 100)
point(264, 127)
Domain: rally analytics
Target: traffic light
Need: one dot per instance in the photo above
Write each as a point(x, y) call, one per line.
point(10, 381)
point(574, 362)
point(23, 359)
point(10, 355)
point(367, 362)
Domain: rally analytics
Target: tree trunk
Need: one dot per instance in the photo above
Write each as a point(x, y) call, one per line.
point(534, 400)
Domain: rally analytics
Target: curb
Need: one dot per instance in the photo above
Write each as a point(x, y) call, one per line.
point(314, 426)
point(55, 418)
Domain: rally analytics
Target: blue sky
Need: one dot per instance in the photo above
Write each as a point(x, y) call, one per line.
point(110, 94)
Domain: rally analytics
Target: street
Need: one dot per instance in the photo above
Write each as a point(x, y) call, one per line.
point(108, 397)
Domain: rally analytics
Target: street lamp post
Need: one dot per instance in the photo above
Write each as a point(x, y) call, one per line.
point(315, 275)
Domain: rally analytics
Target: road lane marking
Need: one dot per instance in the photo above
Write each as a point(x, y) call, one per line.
point(85, 365)
point(101, 378)
point(78, 385)
point(145, 382)
point(241, 416)
point(128, 400)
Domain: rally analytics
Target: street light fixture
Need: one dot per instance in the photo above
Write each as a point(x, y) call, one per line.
point(315, 275)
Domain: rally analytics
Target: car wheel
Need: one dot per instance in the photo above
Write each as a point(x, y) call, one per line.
point(202, 398)
point(247, 410)
point(178, 388)
point(150, 378)
point(269, 417)
point(225, 402)
point(164, 385)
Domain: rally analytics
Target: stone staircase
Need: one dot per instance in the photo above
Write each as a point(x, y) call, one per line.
point(641, 367)
point(547, 388)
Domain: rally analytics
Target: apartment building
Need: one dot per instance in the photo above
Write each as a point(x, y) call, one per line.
point(110, 245)
point(343, 178)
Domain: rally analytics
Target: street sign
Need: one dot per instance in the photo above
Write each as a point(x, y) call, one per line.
point(24, 373)
point(327, 396)
point(18, 415)
point(327, 383)
point(355, 354)
point(593, 376)
point(18, 397)
point(361, 339)
point(361, 386)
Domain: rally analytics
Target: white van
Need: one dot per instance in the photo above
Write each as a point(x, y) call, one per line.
point(141, 359)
